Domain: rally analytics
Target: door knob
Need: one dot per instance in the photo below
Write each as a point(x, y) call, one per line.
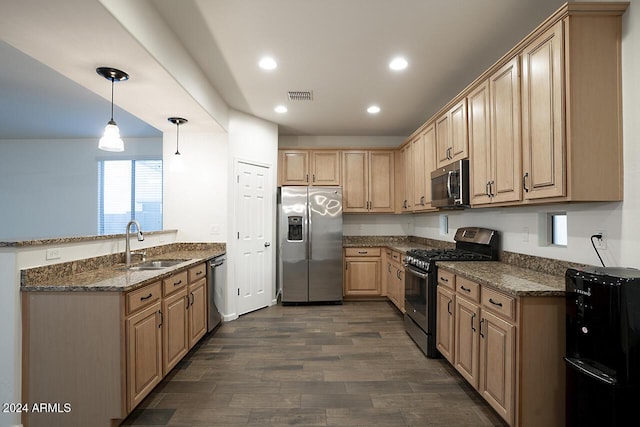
point(267, 244)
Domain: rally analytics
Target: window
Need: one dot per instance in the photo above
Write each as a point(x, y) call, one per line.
point(129, 189)
point(558, 232)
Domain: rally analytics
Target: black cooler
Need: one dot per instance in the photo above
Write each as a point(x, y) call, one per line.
point(603, 347)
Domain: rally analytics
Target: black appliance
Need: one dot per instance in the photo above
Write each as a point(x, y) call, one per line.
point(421, 280)
point(450, 185)
point(602, 346)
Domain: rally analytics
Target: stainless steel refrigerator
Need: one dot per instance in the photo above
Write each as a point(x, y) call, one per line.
point(310, 244)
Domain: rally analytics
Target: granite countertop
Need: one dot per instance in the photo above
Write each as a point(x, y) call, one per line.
point(116, 278)
point(396, 244)
point(516, 281)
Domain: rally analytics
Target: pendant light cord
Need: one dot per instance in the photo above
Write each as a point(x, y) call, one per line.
point(112, 81)
point(177, 138)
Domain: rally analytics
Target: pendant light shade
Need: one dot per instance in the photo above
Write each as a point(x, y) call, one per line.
point(177, 121)
point(111, 140)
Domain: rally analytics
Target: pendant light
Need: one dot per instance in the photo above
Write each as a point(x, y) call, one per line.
point(177, 121)
point(111, 140)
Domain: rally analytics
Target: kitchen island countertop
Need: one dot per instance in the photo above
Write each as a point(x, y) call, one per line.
point(116, 277)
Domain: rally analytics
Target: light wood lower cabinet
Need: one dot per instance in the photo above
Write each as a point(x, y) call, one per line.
point(144, 353)
point(362, 272)
point(445, 333)
point(103, 352)
point(395, 278)
point(508, 348)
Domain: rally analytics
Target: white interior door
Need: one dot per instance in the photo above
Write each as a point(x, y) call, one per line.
point(254, 221)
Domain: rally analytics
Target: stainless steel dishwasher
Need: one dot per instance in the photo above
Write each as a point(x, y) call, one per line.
point(216, 284)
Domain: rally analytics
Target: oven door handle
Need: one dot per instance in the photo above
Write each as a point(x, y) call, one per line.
point(415, 272)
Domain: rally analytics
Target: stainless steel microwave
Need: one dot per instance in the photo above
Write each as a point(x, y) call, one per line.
point(450, 185)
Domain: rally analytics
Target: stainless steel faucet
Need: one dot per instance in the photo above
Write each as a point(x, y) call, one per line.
point(127, 251)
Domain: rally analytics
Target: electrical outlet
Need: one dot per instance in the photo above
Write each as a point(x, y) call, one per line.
point(53, 253)
point(602, 242)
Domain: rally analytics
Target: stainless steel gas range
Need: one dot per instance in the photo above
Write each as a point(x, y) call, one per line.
point(421, 280)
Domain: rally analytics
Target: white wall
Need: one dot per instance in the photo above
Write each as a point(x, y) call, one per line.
point(291, 141)
point(253, 140)
point(377, 225)
point(49, 188)
point(195, 185)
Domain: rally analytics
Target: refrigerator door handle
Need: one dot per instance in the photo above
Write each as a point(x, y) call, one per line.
point(309, 239)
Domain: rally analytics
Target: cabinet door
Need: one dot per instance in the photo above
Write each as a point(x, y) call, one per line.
point(497, 362)
point(419, 200)
point(443, 140)
point(175, 332)
point(429, 141)
point(400, 288)
point(504, 86)
point(355, 181)
point(362, 276)
point(325, 168)
point(445, 323)
point(294, 168)
point(467, 321)
point(144, 353)
point(542, 116)
point(479, 145)
point(381, 181)
point(197, 311)
point(459, 142)
point(407, 174)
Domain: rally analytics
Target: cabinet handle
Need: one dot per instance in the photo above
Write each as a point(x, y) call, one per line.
point(146, 298)
point(187, 297)
point(524, 182)
point(346, 266)
point(404, 204)
point(499, 304)
point(161, 319)
point(449, 308)
point(444, 279)
point(449, 156)
point(314, 177)
point(389, 267)
point(306, 178)
point(421, 200)
point(481, 322)
point(177, 283)
point(486, 189)
point(363, 252)
point(491, 194)
point(198, 273)
point(465, 289)
point(193, 298)
point(473, 316)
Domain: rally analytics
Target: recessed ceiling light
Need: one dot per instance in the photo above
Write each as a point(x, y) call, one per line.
point(268, 63)
point(280, 109)
point(398, 63)
point(374, 109)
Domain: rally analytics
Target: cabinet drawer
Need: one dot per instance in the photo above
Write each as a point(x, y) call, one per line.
point(143, 297)
point(174, 283)
point(362, 251)
point(499, 303)
point(468, 288)
point(197, 272)
point(447, 278)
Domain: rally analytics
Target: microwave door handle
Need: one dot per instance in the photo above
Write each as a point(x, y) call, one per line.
point(449, 194)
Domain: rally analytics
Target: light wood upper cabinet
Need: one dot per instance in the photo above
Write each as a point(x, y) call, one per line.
point(325, 168)
point(451, 134)
point(368, 180)
point(542, 116)
point(406, 153)
point(294, 167)
point(494, 137)
point(309, 167)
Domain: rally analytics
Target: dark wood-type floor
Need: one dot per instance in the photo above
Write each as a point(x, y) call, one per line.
point(336, 365)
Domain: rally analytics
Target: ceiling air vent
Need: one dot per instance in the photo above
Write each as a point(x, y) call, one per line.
point(300, 95)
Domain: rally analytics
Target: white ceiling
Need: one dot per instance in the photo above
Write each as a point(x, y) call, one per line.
point(339, 49)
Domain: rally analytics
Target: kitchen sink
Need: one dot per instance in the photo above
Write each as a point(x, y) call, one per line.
point(158, 264)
